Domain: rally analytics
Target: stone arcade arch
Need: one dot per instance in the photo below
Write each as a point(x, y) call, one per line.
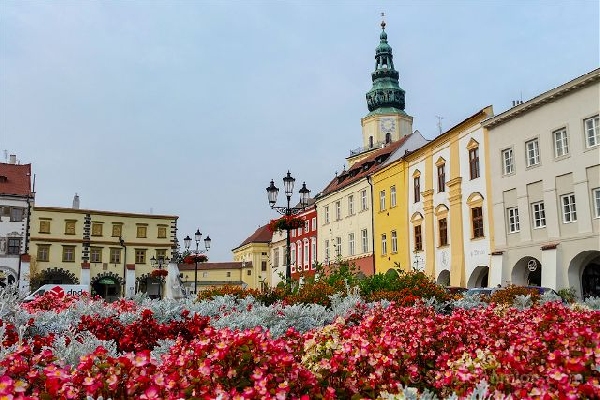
point(107, 285)
point(584, 273)
point(147, 284)
point(527, 272)
point(54, 275)
point(7, 276)
point(479, 277)
point(444, 278)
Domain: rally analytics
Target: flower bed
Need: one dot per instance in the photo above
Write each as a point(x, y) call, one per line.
point(286, 222)
point(214, 348)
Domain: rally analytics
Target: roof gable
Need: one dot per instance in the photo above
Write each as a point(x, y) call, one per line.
point(261, 235)
point(15, 179)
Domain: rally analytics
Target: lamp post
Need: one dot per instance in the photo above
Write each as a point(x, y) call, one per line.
point(272, 191)
point(159, 263)
point(188, 242)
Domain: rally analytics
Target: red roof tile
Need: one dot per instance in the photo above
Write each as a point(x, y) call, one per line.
point(261, 235)
point(360, 169)
point(15, 179)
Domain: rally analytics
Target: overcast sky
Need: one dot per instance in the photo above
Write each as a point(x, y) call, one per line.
point(189, 108)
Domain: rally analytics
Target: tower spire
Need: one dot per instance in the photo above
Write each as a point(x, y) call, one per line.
point(386, 95)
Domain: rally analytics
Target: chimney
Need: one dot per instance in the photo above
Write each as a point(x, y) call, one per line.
point(76, 202)
point(12, 159)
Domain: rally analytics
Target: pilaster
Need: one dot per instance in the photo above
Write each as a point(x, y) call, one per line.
point(457, 248)
point(429, 241)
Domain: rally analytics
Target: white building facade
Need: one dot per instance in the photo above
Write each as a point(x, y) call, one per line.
point(545, 189)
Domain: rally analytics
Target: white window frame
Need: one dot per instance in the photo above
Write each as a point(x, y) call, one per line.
point(591, 127)
point(392, 196)
point(326, 214)
point(314, 223)
point(569, 209)
point(338, 246)
point(381, 200)
point(313, 253)
point(351, 204)
point(364, 240)
point(306, 254)
point(338, 210)
point(327, 254)
point(293, 257)
point(596, 198)
point(351, 247)
point(306, 227)
point(538, 215)
point(508, 161)
point(512, 217)
point(299, 255)
point(532, 152)
point(363, 200)
point(383, 244)
point(561, 142)
point(394, 242)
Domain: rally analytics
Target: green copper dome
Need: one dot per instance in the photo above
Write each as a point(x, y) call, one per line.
point(386, 95)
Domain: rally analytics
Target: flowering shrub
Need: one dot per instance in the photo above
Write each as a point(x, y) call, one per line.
point(508, 294)
point(286, 222)
point(159, 273)
point(351, 350)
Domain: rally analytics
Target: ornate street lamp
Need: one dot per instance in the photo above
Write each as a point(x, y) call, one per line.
point(188, 242)
point(272, 191)
point(159, 263)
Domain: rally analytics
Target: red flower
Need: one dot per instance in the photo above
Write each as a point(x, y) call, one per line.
point(159, 273)
point(194, 258)
point(286, 222)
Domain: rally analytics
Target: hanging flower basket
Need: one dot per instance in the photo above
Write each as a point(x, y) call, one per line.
point(286, 222)
point(159, 273)
point(194, 258)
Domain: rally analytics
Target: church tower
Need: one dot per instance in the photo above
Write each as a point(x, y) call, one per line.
point(386, 121)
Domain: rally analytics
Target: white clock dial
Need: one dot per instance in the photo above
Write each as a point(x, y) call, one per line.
point(388, 125)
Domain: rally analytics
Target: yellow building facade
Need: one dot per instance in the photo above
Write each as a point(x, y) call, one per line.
point(390, 217)
point(110, 251)
point(253, 254)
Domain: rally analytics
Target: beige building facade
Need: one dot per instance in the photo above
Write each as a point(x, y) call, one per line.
point(544, 187)
point(253, 254)
point(110, 251)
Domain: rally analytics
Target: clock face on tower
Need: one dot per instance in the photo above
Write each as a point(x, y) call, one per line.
point(387, 125)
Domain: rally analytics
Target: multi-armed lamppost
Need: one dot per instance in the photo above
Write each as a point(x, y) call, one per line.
point(188, 242)
point(272, 191)
point(159, 263)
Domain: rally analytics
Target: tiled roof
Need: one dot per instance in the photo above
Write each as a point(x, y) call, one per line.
point(261, 235)
point(15, 179)
point(215, 265)
point(364, 167)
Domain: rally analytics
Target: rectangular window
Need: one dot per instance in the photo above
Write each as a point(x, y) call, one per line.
point(417, 188)
point(351, 205)
point(351, 249)
point(44, 226)
point(382, 200)
point(338, 210)
point(561, 143)
point(306, 253)
point(327, 255)
point(69, 227)
point(263, 266)
point(115, 255)
point(276, 257)
point(441, 169)
point(326, 214)
point(306, 226)
point(592, 131)
point(596, 195)
point(513, 219)
point(508, 162)
point(313, 251)
point(363, 200)
point(96, 229)
point(443, 230)
point(249, 272)
point(300, 231)
point(161, 254)
point(13, 246)
point(383, 244)
point(141, 231)
point(539, 215)
point(338, 246)
point(43, 252)
point(299, 254)
point(16, 214)
point(474, 162)
point(68, 254)
point(117, 229)
point(161, 232)
point(568, 206)
point(140, 256)
point(293, 255)
point(96, 254)
point(418, 238)
point(533, 152)
point(364, 239)
point(477, 222)
point(394, 242)
point(393, 196)
point(314, 223)
point(228, 274)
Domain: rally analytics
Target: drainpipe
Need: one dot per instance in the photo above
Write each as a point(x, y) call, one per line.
point(372, 222)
